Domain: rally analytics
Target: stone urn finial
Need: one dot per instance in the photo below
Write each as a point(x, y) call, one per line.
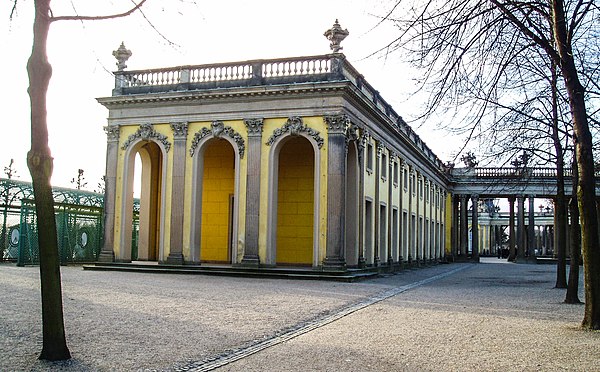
point(122, 55)
point(335, 35)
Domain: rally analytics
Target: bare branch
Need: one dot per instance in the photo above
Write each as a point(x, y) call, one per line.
point(97, 18)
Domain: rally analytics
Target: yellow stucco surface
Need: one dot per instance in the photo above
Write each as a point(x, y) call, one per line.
point(218, 188)
point(295, 202)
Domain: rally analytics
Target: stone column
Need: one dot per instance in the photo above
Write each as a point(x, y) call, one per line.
point(107, 254)
point(255, 128)
point(412, 230)
point(401, 237)
point(512, 253)
point(455, 227)
point(362, 145)
point(376, 213)
point(521, 239)
point(177, 193)
point(390, 228)
point(336, 192)
point(475, 227)
point(464, 227)
point(531, 230)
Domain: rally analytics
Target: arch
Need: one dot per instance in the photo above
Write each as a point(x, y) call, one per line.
point(352, 200)
point(196, 213)
point(277, 144)
point(152, 200)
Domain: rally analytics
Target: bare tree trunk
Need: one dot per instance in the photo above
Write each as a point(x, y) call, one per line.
point(560, 209)
point(572, 296)
point(40, 163)
point(586, 185)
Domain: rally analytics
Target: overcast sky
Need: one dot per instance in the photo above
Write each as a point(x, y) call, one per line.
point(202, 32)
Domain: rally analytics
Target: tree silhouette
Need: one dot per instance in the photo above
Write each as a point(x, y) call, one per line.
point(40, 164)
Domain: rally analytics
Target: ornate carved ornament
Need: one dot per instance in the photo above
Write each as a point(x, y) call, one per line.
point(180, 130)
point(380, 148)
point(112, 133)
point(218, 130)
point(147, 132)
point(337, 124)
point(294, 126)
point(364, 139)
point(254, 126)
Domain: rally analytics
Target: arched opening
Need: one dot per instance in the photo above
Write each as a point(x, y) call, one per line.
point(148, 237)
point(294, 201)
point(218, 190)
point(351, 230)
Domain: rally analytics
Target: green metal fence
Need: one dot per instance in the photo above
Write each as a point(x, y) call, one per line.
point(79, 232)
point(79, 219)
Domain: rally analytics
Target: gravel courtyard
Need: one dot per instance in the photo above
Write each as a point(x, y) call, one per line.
point(493, 316)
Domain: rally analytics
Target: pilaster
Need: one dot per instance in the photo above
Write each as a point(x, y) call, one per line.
point(464, 227)
point(180, 131)
point(336, 191)
point(521, 241)
point(107, 253)
point(475, 227)
point(255, 130)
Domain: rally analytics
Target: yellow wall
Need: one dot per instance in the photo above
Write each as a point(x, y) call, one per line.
point(448, 223)
point(295, 202)
point(270, 125)
point(167, 165)
point(217, 187)
point(190, 172)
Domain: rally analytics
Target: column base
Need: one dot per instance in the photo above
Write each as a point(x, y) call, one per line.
point(106, 256)
point(174, 259)
point(334, 263)
point(362, 263)
point(250, 261)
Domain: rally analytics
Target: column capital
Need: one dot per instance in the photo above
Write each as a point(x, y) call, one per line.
point(180, 130)
point(337, 124)
point(254, 127)
point(112, 133)
point(380, 148)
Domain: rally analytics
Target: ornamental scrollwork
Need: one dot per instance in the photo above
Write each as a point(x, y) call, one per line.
point(147, 132)
point(294, 126)
point(112, 133)
point(217, 130)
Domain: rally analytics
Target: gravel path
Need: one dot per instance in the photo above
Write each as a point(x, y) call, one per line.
point(492, 316)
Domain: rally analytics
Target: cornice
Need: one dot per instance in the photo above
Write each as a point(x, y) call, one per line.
point(185, 97)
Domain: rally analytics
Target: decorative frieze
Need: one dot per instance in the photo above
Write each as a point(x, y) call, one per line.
point(254, 126)
point(294, 126)
point(112, 133)
point(218, 130)
point(180, 130)
point(147, 132)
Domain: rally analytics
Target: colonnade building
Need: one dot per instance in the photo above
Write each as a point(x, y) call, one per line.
point(295, 161)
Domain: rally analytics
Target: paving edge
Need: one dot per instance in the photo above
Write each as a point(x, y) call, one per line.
point(231, 356)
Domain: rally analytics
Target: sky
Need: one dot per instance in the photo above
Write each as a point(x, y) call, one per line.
point(172, 33)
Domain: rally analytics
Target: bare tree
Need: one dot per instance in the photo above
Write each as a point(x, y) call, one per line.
point(40, 163)
point(472, 45)
point(80, 181)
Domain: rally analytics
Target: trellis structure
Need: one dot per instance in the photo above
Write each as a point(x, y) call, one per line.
point(79, 221)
